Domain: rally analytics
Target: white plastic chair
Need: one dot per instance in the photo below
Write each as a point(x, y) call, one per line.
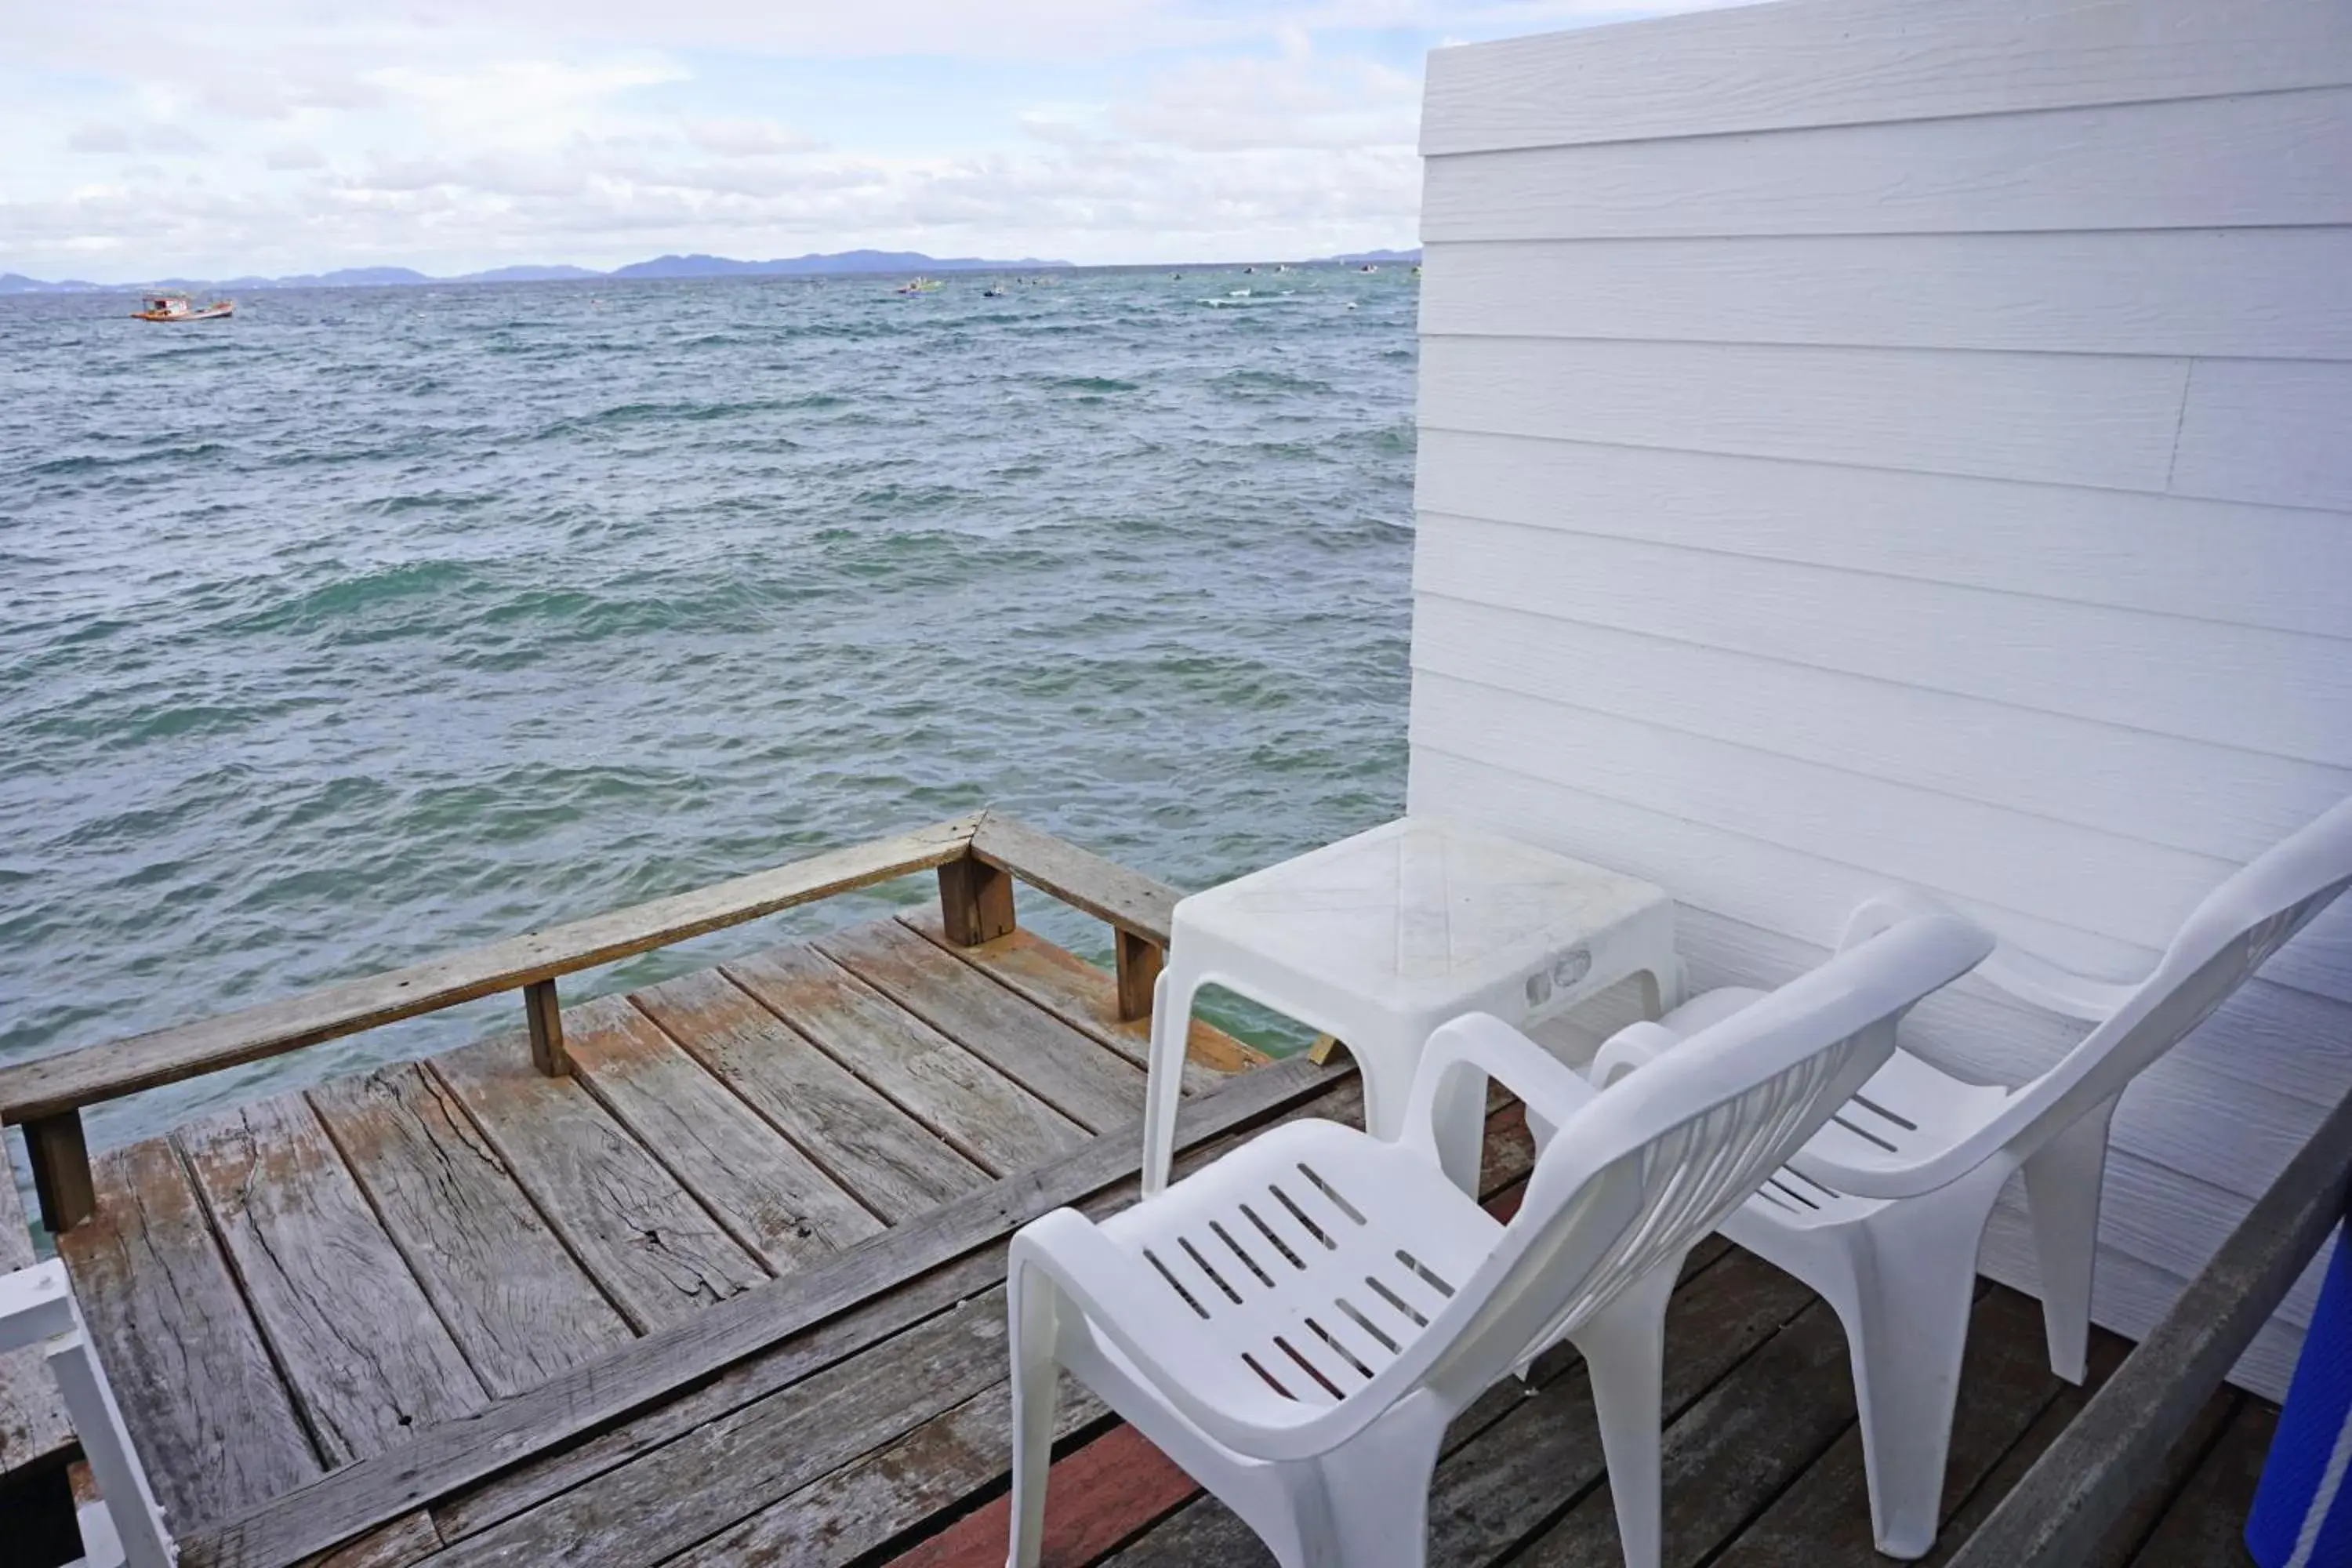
point(1884, 1211)
point(1296, 1324)
point(36, 1307)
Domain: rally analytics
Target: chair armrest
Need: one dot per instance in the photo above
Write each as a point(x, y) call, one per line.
point(1483, 1045)
point(1634, 1045)
point(2031, 980)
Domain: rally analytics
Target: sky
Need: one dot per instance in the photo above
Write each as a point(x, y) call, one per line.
point(150, 138)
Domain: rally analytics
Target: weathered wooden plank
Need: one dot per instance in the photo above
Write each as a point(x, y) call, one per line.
point(2205, 1526)
point(1824, 1517)
point(367, 1359)
point(1136, 971)
point(862, 1506)
point(984, 1116)
point(518, 1305)
point(654, 1252)
point(887, 1310)
point(52, 1084)
point(975, 900)
point(1087, 998)
point(205, 1407)
point(59, 1155)
point(2064, 1507)
point(512, 1431)
point(1079, 878)
point(1069, 1070)
point(865, 1143)
point(1094, 1499)
point(406, 1541)
point(543, 1021)
point(34, 1426)
point(719, 1474)
point(770, 1197)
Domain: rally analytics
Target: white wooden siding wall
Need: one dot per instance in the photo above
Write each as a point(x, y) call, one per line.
point(1910, 441)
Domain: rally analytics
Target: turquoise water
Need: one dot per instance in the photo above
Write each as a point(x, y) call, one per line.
point(377, 623)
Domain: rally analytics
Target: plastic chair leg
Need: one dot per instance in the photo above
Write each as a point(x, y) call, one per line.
point(1624, 1351)
point(2063, 1183)
point(1172, 1029)
point(1906, 1330)
point(1036, 1388)
point(1376, 1491)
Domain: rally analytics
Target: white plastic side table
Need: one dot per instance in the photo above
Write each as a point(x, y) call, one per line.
point(1379, 939)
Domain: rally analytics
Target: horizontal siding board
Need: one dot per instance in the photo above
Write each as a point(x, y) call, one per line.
point(2268, 432)
point(2279, 567)
point(2057, 418)
point(2271, 293)
point(1824, 62)
point(2207, 163)
point(2261, 690)
point(2093, 774)
point(2054, 871)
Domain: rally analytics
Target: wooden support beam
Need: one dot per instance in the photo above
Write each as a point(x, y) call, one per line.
point(545, 1016)
point(975, 901)
point(1139, 968)
point(60, 1169)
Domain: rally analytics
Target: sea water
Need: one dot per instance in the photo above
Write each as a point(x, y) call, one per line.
point(372, 623)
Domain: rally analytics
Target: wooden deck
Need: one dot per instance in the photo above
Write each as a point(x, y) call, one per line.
point(730, 1291)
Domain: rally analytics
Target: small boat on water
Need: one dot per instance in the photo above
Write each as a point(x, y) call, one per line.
point(180, 308)
point(994, 291)
point(920, 286)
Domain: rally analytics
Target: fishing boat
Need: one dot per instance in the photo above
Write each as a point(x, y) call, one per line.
point(919, 286)
point(180, 308)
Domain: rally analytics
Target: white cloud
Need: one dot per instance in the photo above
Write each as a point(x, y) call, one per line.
point(284, 136)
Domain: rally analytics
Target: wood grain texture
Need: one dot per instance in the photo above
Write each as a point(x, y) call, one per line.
point(34, 1426)
point(2229, 293)
point(2214, 561)
point(518, 1305)
point(1079, 878)
point(2237, 687)
point(984, 1116)
point(2205, 1526)
point(2227, 162)
point(656, 1253)
point(50, 1084)
point(513, 1431)
point(770, 1197)
point(1067, 1069)
point(367, 1358)
point(1087, 998)
point(57, 1149)
point(861, 1140)
point(1847, 62)
point(1095, 1499)
point(718, 1474)
point(206, 1411)
point(2059, 419)
point(405, 1542)
point(975, 900)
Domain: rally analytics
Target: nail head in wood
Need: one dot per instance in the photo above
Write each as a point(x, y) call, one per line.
point(60, 1169)
point(1138, 969)
point(545, 1017)
point(975, 901)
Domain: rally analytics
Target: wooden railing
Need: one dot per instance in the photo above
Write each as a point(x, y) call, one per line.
point(2057, 1515)
point(977, 858)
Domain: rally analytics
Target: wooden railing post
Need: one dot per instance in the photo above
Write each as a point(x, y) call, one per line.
point(975, 901)
point(545, 1016)
point(1140, 959)
point(60, 1169)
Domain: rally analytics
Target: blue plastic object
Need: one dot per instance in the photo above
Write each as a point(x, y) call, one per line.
point(2302, 1508)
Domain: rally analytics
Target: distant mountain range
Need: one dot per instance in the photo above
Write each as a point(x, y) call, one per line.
point(841, 262)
